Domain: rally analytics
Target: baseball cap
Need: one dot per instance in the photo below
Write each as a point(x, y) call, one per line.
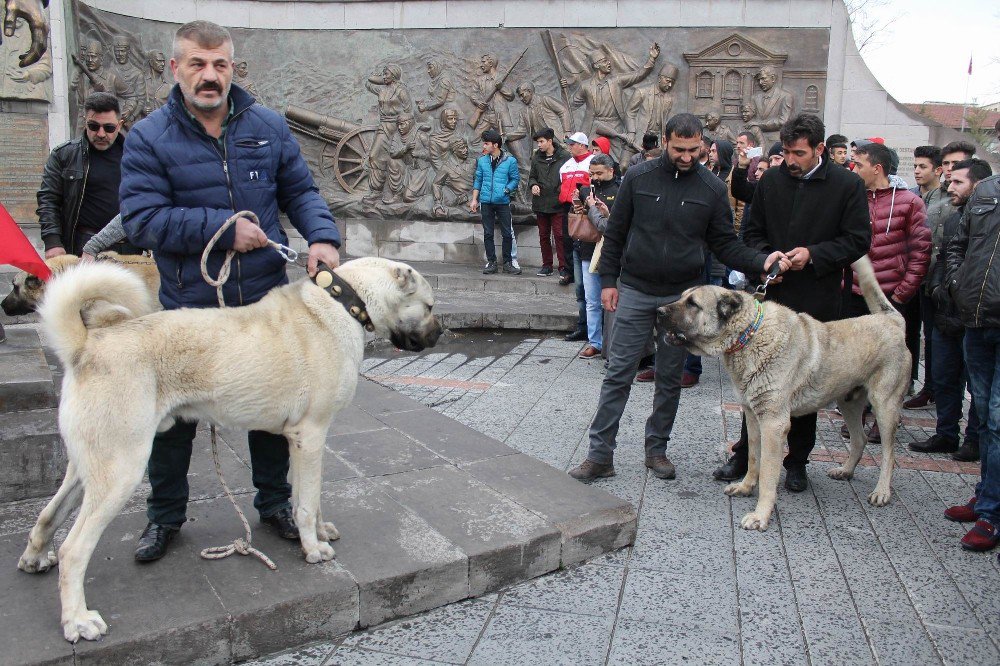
point(578, 137)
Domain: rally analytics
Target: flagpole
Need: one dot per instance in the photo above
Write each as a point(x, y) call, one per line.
point(965, 104)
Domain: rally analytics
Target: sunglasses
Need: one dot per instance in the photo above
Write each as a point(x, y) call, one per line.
point(109, 128)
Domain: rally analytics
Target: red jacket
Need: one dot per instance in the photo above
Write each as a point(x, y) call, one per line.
point(901, 242)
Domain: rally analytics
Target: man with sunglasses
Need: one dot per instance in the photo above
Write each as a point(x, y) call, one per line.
point(79, 192)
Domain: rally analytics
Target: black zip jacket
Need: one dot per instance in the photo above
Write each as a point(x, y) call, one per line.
point(606, 191)
point(972, 273)
point(63, 184)
point(946, 316)
point(545, 173)
point(661, 223)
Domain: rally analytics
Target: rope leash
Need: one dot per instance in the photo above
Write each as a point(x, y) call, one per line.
point(242, 546)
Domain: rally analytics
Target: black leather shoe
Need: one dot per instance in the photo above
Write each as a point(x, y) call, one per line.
point(154, 541)
point(936, 444)
point(733, 470)
point(796, 479)
point(967, 452)
point(284, 523)
point(575, 336)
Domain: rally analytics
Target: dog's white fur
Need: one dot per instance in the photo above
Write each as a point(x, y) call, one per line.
point(284, 365)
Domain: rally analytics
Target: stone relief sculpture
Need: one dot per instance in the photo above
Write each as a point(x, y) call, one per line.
point(748, 113)
point(409, 165)
point(393, 100)
point(538, 111)
point(772, 105)
point(132, 80)
point(156, 85)
point(95, 77)
point(442, 90)
point(652, 106)
point(490, 97)
point(449, 130)
point(27, 14)
point(715, 128)
point(26, 82)
point(452, 174)
point(241, 77)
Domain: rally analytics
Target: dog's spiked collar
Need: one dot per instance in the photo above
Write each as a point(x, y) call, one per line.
point(344, 294)
point(744, 338)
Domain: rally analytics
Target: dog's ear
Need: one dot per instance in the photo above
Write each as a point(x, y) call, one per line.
point(728, 305)
point(405, 277)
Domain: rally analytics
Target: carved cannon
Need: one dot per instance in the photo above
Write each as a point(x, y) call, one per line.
point(345, 145)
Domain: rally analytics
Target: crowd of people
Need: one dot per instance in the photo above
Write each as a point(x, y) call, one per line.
point(689, 209)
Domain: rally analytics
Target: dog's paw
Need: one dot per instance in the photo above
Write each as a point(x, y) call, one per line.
point(327, 532)
point(880, 497)
point(322, 553)
point(840, 473)
point(739, 489)
point(37, 562)
point(753, 521)
point(90, 627)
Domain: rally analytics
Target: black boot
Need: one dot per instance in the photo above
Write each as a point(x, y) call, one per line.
point(154, 541)
point(283, 523)
point(796, 479)
point(733, 470)
point(968, 452)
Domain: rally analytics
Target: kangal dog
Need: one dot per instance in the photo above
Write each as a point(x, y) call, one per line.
point(794, 365)
point(285, 365)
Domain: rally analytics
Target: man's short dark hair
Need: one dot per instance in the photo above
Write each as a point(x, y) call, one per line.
point(604, 161)
point(751, 140)
point(959, 147)
point(877, 154)
point(978, 169)
point(101, 102)
point(803, 126)
point(683, 126)
point(650, 140)
point(492, 136)
point(544, 133)
point(836, 141)
point(933, 153)
point(204, 34)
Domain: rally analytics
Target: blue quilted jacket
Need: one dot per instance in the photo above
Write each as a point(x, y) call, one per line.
point(495, 187)
point(179, 186)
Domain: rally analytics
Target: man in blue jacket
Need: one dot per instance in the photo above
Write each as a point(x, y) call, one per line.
point(209, 152)
point(497, 177)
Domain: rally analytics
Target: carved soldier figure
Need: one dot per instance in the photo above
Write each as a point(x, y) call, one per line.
point(96, 77)
point(442, 90)
point(715, 129)
point(241, 76)
point(496, 115)
point(134, 84)
point(539, 111)
point(448, 131)
point(650, 107)
point(408, 170)
point(601, 95)
point(772, 106)
point(157, 87)
point(393, 100)
point(454, 175)
point(747, 113)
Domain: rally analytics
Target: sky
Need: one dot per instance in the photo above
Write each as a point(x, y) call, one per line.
point(921, 53)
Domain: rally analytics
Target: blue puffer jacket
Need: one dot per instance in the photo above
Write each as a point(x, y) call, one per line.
point(178, 187)
point(495, 187)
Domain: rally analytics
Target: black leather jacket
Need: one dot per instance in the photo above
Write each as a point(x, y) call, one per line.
point(63, 183)
point(972, 273)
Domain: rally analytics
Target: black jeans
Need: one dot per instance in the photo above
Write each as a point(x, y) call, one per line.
point(927, 321)
point(911, 314)
point(950, 378)
point(171, 457)
point(497, 215)
point(801, 440)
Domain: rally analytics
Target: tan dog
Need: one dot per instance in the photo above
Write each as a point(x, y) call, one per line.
point(29, 290)
point(285, 365)
point(794, 365)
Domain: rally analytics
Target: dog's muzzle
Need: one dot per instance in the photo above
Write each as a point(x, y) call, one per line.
point(675, 339)
point(417, 340)
point(13, 306)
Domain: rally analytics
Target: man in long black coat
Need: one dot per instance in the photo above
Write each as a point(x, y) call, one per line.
point(817, 214)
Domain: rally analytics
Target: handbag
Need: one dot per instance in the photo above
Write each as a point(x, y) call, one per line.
point(581, 228)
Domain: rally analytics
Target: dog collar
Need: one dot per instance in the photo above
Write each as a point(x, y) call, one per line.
point(344, 294)
point(744, 338)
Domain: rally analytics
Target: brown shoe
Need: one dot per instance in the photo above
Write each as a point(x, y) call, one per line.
point(688, 380)
point(589, 470)
point(589, 352)
point(920, 400)
point(647, 375)
point(662, 467)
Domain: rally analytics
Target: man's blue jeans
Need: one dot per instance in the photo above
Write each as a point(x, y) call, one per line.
point(949, 379)
point(497, 215)
point(982, 358)
point(595, 312)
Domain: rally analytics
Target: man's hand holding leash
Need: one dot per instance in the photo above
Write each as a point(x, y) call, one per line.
point(322, 252)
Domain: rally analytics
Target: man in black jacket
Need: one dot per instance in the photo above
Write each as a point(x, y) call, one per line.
point(79, 192)
point(973, 284)
point(817, 213)
point(544, 182)
point(667, 210)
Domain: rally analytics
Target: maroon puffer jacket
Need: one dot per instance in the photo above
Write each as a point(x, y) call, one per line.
point(901, 242)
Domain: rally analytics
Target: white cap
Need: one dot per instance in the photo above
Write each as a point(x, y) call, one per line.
point(578, 137)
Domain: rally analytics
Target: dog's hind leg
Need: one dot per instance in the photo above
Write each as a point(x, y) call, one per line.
point(773, 433)
point(852, 406)
point(886, 405)
point(305, 450)
point(749, 482)
point(39, 556)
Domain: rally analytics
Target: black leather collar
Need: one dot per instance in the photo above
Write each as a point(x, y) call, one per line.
point(344, 294)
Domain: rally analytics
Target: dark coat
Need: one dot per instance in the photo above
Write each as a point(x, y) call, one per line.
point(828, 215)
point(946, 316)
point(545, 173)
point(179, 187)
point(606, 191)
point(59, 197)
point(971, 272)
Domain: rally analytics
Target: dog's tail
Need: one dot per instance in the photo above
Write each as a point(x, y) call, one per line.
point(872, 292)
point(88, 296)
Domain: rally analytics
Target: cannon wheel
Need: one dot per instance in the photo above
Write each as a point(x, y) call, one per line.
point(348, 157)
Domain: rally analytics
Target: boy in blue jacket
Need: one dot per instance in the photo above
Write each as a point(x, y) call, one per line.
point(497, 177)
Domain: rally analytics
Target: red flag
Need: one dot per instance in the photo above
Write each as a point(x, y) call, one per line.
point(17, 250)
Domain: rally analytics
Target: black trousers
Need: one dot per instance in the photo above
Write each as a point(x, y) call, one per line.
point(911, 314)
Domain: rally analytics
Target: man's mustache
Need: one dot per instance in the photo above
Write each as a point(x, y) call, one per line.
point(209, 85)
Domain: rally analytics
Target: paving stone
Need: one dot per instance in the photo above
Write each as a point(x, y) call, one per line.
point(519, 636)
point(504, 542)
point(455, 442)
point(836, 637)
point(901, 642)
point(588, 589)
point(345, 656)
point(352, 419)
point(376, 399)
point(400, 563)
point(964, 646)
point(706, 603)
point(25, 377)
point(447, 634)
point(312, 655)
point(671, 641)
point(378, 452)
point(591, 521)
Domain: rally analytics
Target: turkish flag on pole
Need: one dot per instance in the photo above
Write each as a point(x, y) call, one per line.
point(16, 249)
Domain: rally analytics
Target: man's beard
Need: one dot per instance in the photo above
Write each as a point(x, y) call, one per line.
point(190, 98)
